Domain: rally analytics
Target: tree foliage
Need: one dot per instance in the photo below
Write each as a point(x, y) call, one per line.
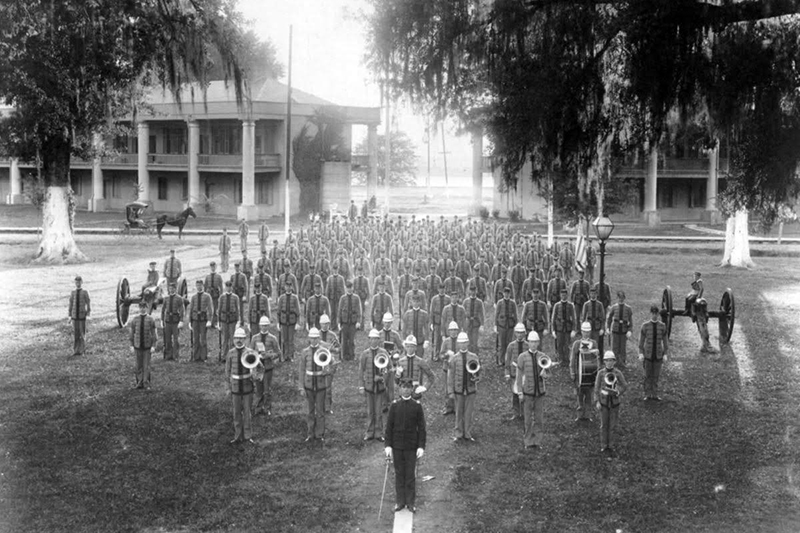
point(568, 85)
point(403, 161)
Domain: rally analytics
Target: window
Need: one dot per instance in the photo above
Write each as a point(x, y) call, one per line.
point(265, 191)
point(174, 141)
point(226, 139)
point(108, 187)
point(697, 193)
point(664, 197)
point(237, 191)
point(185, 189)
point(153, 144)
point(162, 188)
point(77, 185)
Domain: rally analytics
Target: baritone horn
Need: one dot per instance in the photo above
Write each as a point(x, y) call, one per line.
point(322, 357)
point(250, 359)
point(544, 361)
point(381, 362)
point(610, 380)
point(473, 367)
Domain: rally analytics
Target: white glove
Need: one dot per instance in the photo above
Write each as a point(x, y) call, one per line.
point(555, 334)
point(494, 329)
point(426, 344)
point(641, 357)
point(180, 325)
point(420, 453)
point(208, 324)
point(602, 332)
point(665, 358)
point(388, 452)
point(571, 334)
point(544, 332)
point(628, 334)
point(420, 390)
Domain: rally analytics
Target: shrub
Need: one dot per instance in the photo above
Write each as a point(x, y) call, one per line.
point(514, 215)
point(484, 213)
point(495, 214)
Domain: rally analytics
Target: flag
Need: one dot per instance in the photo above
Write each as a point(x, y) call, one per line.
point(580, 253)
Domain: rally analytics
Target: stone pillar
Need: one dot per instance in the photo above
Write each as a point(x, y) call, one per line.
point(248, 209)
point(372, 148)
point(194, 172)
point(15, 189)
point(651, 215)
point(711, 213)
point(477, 169)
point(97, 202)
point(143, 173)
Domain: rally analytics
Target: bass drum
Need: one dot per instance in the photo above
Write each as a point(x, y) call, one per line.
point(588, 367)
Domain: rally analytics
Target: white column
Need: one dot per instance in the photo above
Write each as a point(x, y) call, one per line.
point(97, 202)
point(248, 208)
point(143, 173)
point(651, 215)
point(712, 213)
point(194, 172)
point(15, 194)
point(372, 148)
point(477, 169)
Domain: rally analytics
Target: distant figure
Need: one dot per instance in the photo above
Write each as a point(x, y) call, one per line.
point(79, 309)
point(224, 250)
point(244, 229)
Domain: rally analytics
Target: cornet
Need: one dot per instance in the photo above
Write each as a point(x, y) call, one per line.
point(322, 357)
point(473, 367)
point(610, 381)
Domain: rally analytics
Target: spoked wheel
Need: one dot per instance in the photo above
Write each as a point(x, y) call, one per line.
point(123, 301)
point(727, 316)
point(666, 309)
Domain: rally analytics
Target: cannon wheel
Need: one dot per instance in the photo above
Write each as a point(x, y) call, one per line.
point(727, 316)
point(123, 301)
point(666, 309)
point(183, 289)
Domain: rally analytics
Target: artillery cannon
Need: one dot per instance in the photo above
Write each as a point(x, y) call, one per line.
point(726, 313)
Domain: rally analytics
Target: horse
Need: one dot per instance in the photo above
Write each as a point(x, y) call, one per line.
point(178, 220)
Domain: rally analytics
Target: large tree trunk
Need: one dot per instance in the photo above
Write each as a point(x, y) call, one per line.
point(58, 242)
point(737, 242)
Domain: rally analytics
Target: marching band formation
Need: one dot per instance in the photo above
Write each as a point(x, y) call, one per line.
point(424, 292)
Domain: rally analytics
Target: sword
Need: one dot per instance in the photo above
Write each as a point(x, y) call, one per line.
point(383, 493)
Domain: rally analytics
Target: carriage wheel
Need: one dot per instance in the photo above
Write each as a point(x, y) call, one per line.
point(727, 316)
point(123, 301)
point(183, 290)
point(666, 309)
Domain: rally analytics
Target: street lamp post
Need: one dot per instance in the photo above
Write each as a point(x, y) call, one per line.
point(603, 228)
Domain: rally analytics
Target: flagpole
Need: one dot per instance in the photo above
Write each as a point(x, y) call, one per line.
point(287, 167)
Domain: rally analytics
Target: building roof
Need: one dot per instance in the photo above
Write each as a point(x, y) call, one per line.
point(267, 91)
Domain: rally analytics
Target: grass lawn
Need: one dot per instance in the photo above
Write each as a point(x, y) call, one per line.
point(81, 451)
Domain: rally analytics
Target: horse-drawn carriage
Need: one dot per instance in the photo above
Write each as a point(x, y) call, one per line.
point(141, 220)
point(135, 221)
point(152, 295)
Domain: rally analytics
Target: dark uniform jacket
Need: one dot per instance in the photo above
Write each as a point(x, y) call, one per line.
point(79, 306)
point(405, 425)
point(370, 376)
point(228, 308)
point(201, 307)
point(172, 309)
point(143, 332)
point(288, 309)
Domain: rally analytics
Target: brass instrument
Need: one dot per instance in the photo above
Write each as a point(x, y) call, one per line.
point(473, 367)
point(610, 380)
point(544, 361)
point(323, 357)
point(381, 362)
point(250, 359)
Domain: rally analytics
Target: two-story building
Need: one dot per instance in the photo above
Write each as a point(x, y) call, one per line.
point(208, 151)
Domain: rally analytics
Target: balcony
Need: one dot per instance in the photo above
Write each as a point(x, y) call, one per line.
point(672, 167)
point(262, 161)
point(168, 160)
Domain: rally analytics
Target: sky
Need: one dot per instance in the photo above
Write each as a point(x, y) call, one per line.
point(328, 44)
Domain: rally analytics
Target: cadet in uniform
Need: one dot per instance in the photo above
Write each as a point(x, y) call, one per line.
point(288, 314)
point(513, 351)
point(619, 323)
point(416, 324)
point(438, 303)
point(316, 306)
point(405, 443)
point(201, 309)
point(172, 268)
point(172, 312)
point(244, 229)
point(240, 287)
point(259, 307)
point(608, 400)
point(534, 315)
point(329, 340)
point(653, 348)
point(594, 313)
point(504, 322)
point(531, 386)
point(448, 348)
point(143, 338)
point(475, 317)
point(224, 250)
point(229, 318)
point(372, 384)
point(563, 321)
point(78, 311)
point(414, 368)
point(240, 386)
point(463, 386)
point(313, 382)
point(393, 345)
point(214, 286)
point(266, 344)
point(349, 321)
point(585, 347)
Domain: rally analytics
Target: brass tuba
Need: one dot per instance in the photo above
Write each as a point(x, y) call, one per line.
point(322, 357)
point(610, 380)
